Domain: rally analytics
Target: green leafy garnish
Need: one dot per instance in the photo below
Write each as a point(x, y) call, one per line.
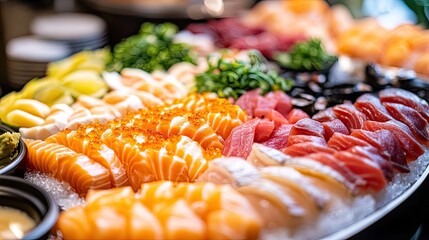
point(151, 49)
point(232, 78)
point(309, 56)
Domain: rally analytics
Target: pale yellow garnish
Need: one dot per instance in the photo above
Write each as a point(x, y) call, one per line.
point(23, 119)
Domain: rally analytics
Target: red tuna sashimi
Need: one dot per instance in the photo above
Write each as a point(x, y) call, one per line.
point(272, 115)
point(341, 141)
point(263, 130)
point(279, 137)
point(349, 115)
point(263, 106)
point(386, 144)
point(364, 168)
point(401, 96)
point(371, 106)
point(295, 115)
point(239, 142)
point(308, 126)
point(283, 102)
point(247, 101)
point(334, 126)
point(410, 117)
point(372, 154)
point(325, 115)
point(295, 139)
point(303, 149)
point(339, 166)
point(402, 133)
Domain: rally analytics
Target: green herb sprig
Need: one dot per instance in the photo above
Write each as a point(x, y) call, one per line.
point(308, 56)
point(151, 49)
point(232, 78)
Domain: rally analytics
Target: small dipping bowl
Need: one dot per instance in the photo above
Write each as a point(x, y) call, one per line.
point(17, 166)
point(19, 194)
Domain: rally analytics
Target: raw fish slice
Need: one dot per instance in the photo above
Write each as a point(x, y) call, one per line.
point(334, 126)
point(325, 115)
point(402, 133)
point(283, 102)
point(78, 170)
point(302, 149)
point(193, 154)
point(279, 137)
point(94, 149)
point(349, 115)
point(239, 143)
point(234, 171)
point(292, 178)
point(341, 141)
point(401, 96)
point(263, 107)
point(387, 145)
point(154, 192)
point(179, 221)
point(331, 161)
point(231, 215)
point(373, 154)
point(296, 139)
point(371, 106)
point(247, 101)
point(263, 130)
point(410, 117)
point(111, 197)
point(221, 124)
point(295, 115)
point(279, 206)
point(166, 166)
point(315, 168)
point(197, 196)
point(273, 116)
point(308, 126)
point(262, 156)
point(365, 168)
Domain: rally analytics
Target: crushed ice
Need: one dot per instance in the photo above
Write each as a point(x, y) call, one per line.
point(63, 194)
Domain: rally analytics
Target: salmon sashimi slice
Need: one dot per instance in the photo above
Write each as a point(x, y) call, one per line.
point(341, 141)
point(386, 144)
point(296, 139)
point(349, 115)
point(81, 172)
point(179, 221)
point(154, 192)
point(94, 221)
point(334, 126)
point(234, 171)
point(308, 126)
point(222, 124)
point(365, 168)
point(410, 117)
point(401, 96)
point(371, 106)
point(96, 150)
point(374, 155)
point(305, 148)
point(166, 166)
point(402, 133)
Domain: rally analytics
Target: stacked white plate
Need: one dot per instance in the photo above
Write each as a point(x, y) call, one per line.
point(56, 36)
point(28, 56)
point(77, 30)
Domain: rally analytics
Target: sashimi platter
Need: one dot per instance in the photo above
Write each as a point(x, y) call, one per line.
point(293, 121)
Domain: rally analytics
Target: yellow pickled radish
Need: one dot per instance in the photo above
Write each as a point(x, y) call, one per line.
point(33, 107)
point(7, 104)
point(23, 119)
point(61, 68)
point(85, 82)
point(53, 94)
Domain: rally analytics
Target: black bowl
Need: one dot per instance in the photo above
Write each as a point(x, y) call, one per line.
point(17, 166)
point(17, 193)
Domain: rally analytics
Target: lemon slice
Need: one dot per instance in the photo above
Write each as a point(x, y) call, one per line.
point(85, 82)
point(53, 94)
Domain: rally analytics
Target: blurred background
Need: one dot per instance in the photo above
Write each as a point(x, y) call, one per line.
point(33, 33)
